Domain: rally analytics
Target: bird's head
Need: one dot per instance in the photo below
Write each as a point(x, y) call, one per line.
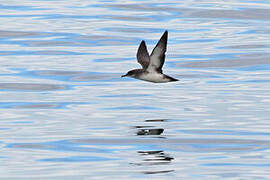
point(131, 73)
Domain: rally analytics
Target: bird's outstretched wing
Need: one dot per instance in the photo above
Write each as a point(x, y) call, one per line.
point(143, 56)
point(157, 56)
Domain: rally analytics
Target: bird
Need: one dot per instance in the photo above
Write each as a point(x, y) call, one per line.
point(151, 65)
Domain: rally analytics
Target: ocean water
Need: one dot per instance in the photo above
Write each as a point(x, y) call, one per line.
point(65, 112)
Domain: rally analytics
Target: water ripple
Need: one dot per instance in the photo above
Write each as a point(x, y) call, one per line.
point(65, 113)
point(31, 87)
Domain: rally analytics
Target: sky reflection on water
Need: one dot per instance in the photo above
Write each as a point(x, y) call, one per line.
point(67, 114)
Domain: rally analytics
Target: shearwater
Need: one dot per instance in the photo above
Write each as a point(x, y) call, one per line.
point(152, 65)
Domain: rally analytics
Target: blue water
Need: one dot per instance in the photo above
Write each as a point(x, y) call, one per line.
point(65, 112)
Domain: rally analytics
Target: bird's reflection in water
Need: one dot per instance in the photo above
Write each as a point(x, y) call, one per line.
point(157, 172)
point(156, 157)
point(150, 130)
point(153, 157)
point(144, 131)
point(155, 120)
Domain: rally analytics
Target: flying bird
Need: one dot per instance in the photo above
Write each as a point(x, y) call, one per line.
point(152, 65)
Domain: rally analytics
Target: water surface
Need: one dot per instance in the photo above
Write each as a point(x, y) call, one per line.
point(65, 113)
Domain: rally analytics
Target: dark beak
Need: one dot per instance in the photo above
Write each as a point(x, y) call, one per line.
point(124, 75)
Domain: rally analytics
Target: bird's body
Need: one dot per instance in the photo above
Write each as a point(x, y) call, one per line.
point(151, 76)
point(152, 65)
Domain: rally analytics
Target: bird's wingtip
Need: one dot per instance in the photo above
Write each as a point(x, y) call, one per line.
point(142, 42)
